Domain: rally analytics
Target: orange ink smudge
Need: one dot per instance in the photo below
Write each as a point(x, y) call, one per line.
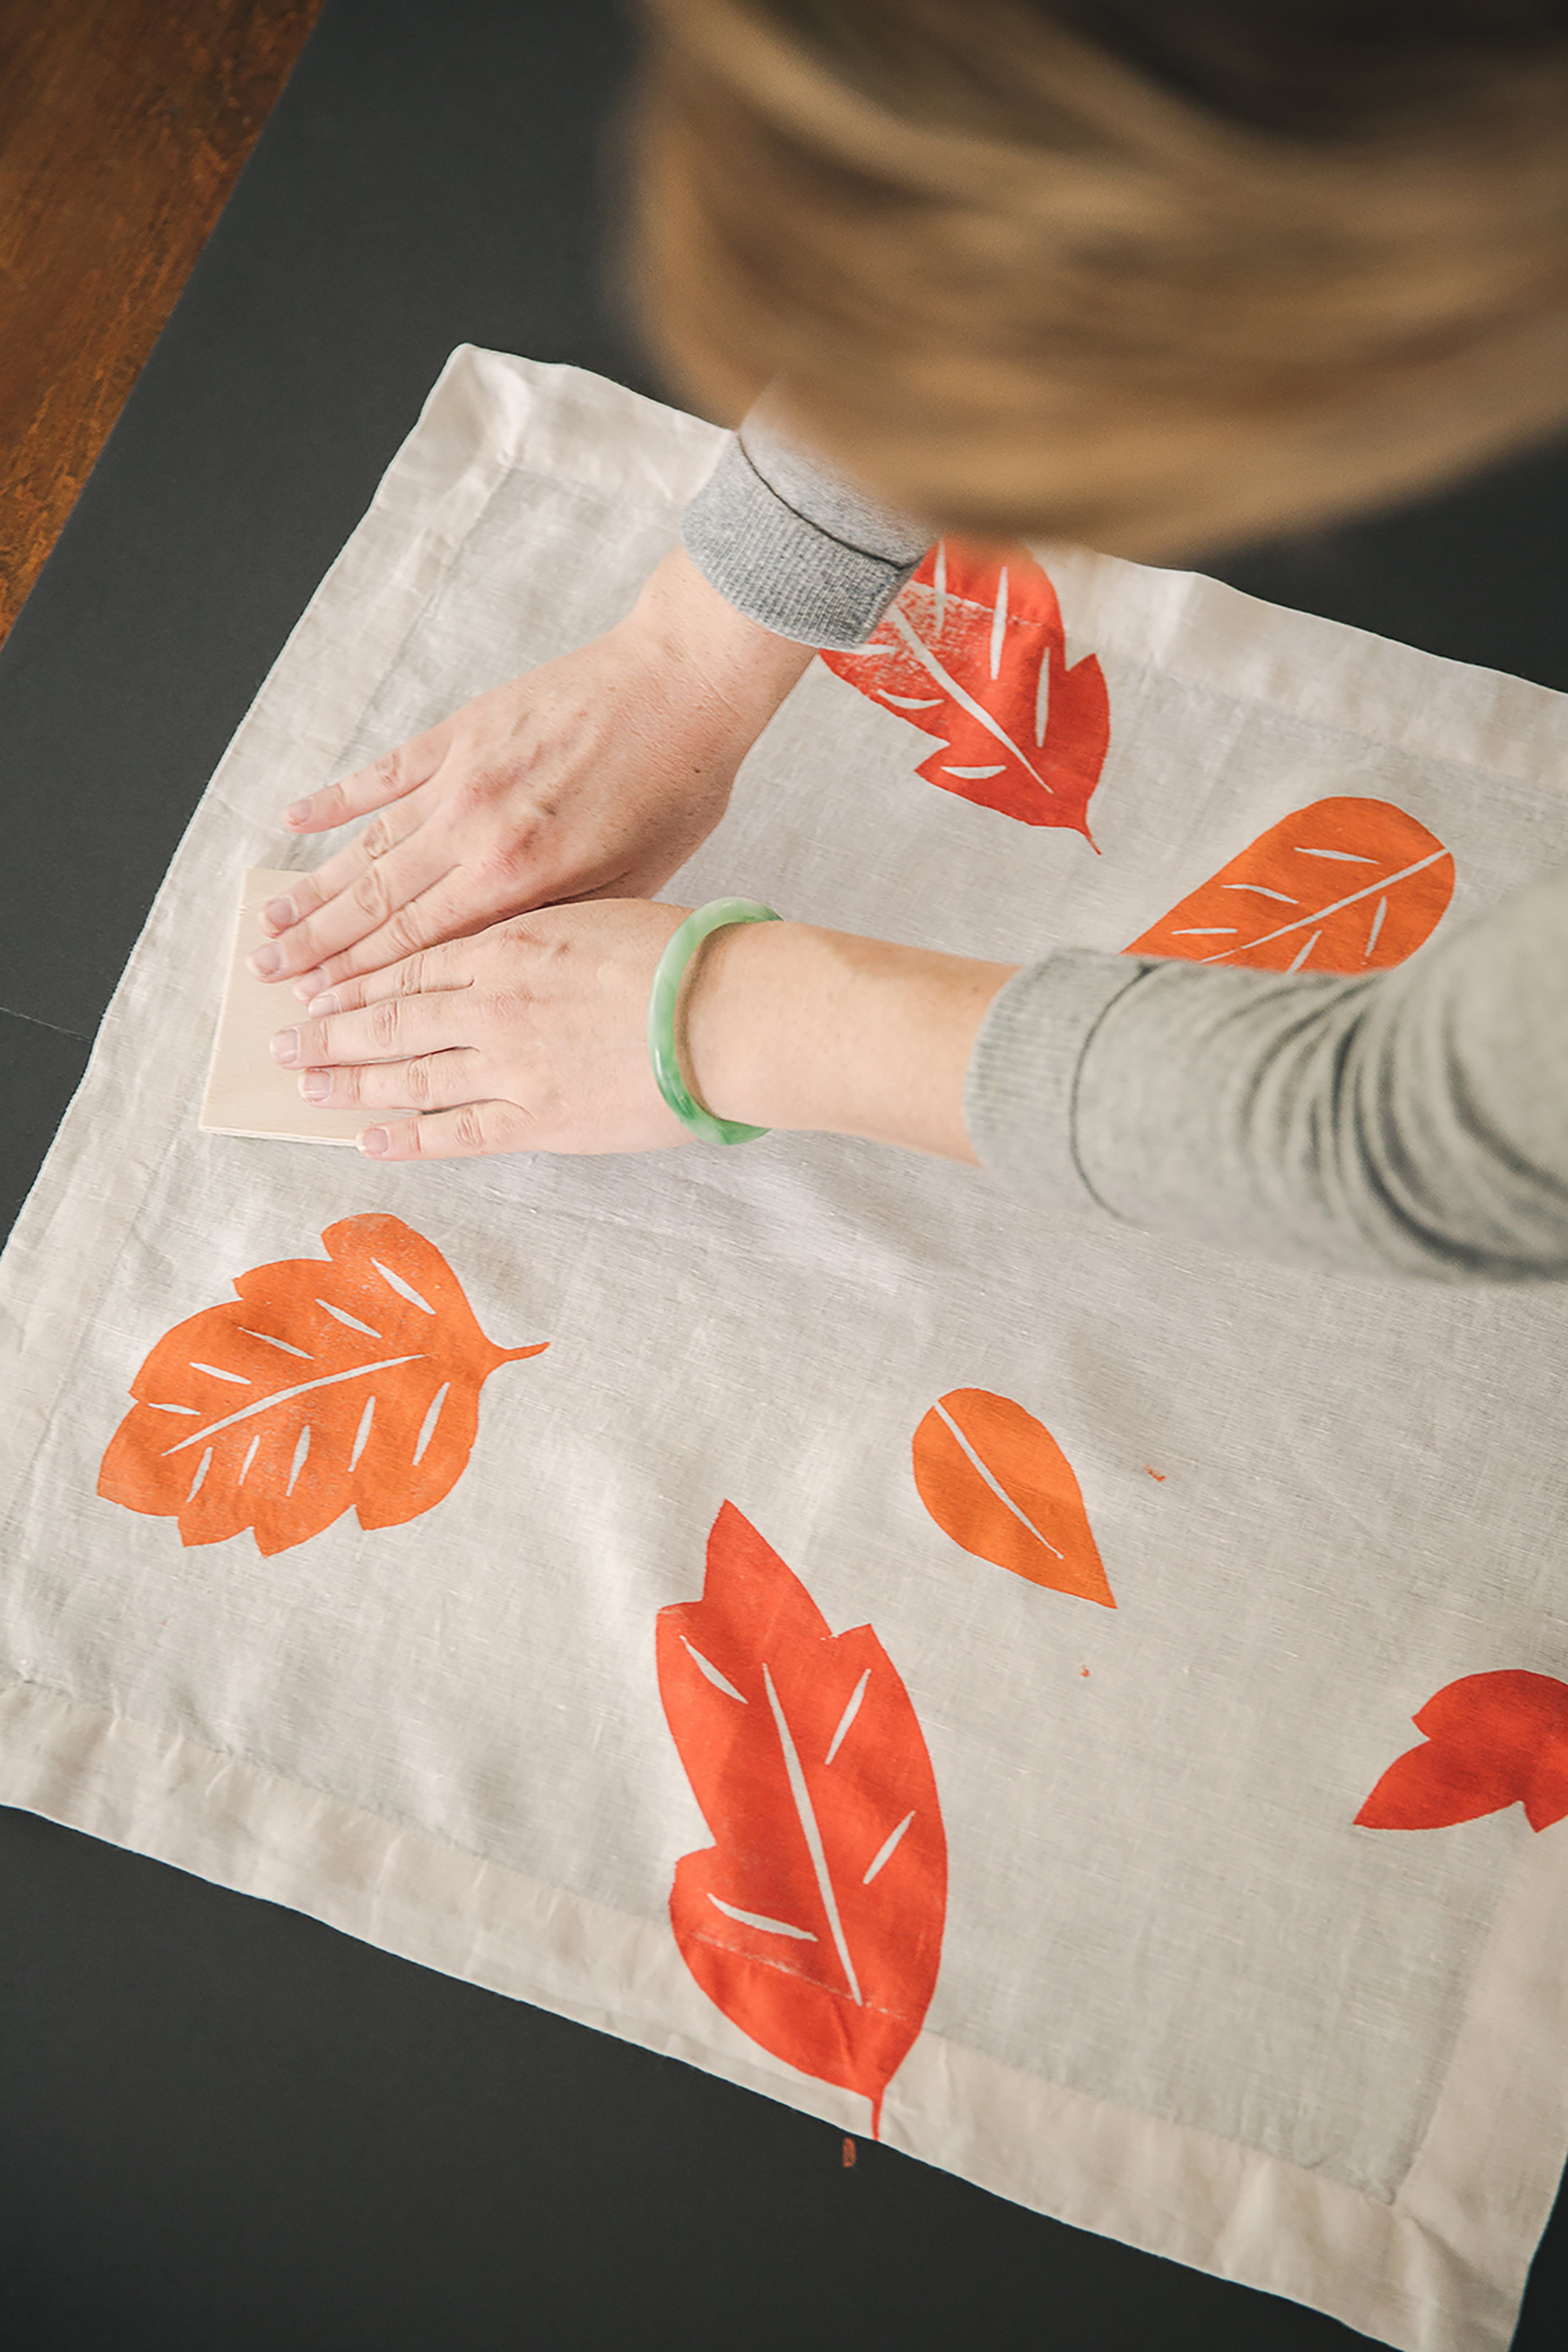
point(1158, 1476)
point(848, 2158)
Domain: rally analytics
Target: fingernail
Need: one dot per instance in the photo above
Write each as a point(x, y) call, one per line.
point(375, 1140)
point(296, 812)
point(307, 986)
point(265, 961)
point(316, 1085)
point(321, 1005)
point(286, 1046)
point(278, 913)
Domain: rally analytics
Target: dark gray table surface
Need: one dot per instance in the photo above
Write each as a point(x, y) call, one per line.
point(223, 2126)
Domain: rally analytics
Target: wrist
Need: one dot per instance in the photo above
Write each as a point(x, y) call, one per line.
point(707, 652)
point(787, 1025)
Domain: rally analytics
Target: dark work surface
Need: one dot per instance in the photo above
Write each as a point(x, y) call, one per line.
point(223, 2126)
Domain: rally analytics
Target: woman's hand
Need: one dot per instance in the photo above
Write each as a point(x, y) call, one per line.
point(533, 1036)
point(593, 776)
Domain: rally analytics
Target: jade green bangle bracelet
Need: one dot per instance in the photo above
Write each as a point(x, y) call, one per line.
point(662, 999)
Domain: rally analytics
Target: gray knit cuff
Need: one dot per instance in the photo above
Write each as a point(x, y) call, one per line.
point(779, 567)
point(1021, 1087)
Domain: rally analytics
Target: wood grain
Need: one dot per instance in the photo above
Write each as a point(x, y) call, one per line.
point(123, 124)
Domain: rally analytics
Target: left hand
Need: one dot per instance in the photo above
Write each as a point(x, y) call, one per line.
point(530, 1036)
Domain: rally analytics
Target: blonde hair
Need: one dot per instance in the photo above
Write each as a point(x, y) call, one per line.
point(1019, 285)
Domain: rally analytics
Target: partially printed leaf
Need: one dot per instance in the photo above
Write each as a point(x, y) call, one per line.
point(815, 1919)
point(972, 652)
point(352, 1379)
point(1347, 885)
point(994, 1479)
point(1491, 1740)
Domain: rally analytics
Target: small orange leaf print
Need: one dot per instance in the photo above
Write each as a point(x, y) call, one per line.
point(325, 1384)
point(1493, 1740)
point(994, 1479)
point(972, 652)
point(815, 1919)
point(1345, 886)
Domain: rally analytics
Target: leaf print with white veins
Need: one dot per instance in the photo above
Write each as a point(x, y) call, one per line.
point(322, 1385)
point(815, 1919)
point(1347, 885)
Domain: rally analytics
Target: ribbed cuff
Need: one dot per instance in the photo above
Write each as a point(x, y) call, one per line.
point(779, 568)
point(1020, 1089)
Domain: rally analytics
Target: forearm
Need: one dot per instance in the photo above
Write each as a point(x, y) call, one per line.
point(1413, 1122)
point(721, 662)
point(786, 1026)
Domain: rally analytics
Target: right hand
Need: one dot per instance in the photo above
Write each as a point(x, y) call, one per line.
point(593, 776)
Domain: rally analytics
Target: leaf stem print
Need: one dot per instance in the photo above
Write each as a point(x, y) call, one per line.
point(1491, 1740)
point(364, 1371)
point(815, 1919)
point(1018, 730)
point(1346, 885)
point(994, 1479)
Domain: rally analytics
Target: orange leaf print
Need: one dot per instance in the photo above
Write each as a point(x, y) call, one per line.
point(324, 1384)
point(815, 1919)
point(1345, 886)
point(994, 1479)
point(972, 652)
point(1493, 1740)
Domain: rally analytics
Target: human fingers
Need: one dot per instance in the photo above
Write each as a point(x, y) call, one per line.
point(395, 1029)
point(464, 1133)
point(379, 888)
point(450, 965)
point(449, 911)
point(425, 1082)
point(399, 771)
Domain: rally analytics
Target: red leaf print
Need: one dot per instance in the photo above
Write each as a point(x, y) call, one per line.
point(815, 1919)
point(1493, 1740)
point(323, 1384)
point(1345, 886)
point(972, 652)
point(994, 1479)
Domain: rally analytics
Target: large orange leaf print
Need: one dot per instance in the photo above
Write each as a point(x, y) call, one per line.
point(815, 1919)
point(353, 1380)
point(994, 1479)
point(1491, 1740)
point(1347, 885)
point(972, 652)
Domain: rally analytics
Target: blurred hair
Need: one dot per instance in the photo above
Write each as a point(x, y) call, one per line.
point(1157, 275)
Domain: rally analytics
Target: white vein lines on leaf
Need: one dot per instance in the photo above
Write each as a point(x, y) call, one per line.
point(995, 1485)
point(427, 1427)
point(1376, 924)
point(999, 622)
point(706, 1666)
point(1321, 914)
point(283, 1396)
point(403, 1289)
point(756, 1919)
point(848, 1717)
point(341, 1315)
point(361, 1434)
point(287, 1345)
point(812, 1832)
point(950, 684)
point(885, 1850)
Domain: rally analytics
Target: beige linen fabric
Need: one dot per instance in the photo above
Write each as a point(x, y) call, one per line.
point(1184, 1999)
